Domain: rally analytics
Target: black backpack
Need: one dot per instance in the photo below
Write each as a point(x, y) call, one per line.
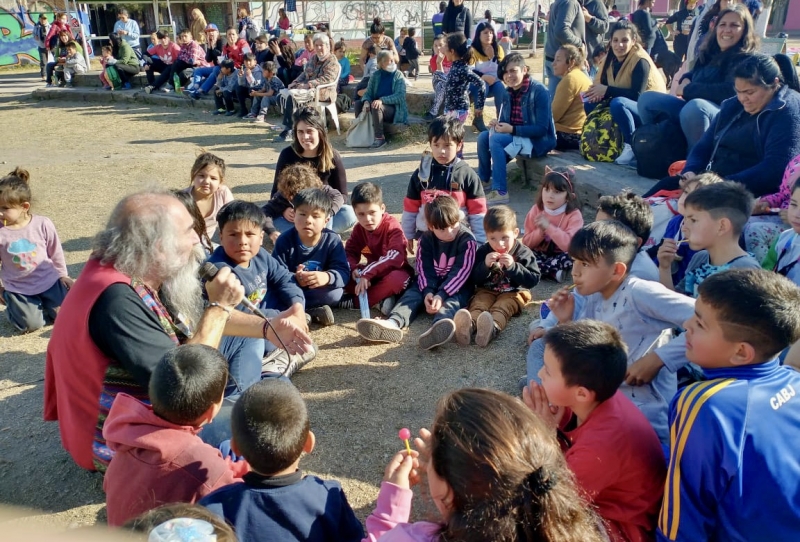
point(656, 146)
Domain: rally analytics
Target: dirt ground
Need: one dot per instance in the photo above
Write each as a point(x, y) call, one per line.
point(82, 159)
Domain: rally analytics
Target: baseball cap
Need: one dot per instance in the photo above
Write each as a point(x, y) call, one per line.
point(211, 27)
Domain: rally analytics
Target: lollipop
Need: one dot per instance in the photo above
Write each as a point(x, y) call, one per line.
point(404, 435)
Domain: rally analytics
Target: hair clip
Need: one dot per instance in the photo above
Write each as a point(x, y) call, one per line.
point(183, 530)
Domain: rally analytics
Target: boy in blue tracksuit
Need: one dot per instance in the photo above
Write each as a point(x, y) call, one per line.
point(733, 471)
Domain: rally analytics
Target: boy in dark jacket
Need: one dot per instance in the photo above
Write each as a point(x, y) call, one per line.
point(505, 271)
point(445, 258)
point(270, 428)
point(315, 255)
point(412, 53)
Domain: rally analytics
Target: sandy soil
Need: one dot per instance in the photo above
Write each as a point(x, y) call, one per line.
point(82, 159)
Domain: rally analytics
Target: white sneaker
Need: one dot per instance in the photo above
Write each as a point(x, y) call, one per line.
point(626, 157)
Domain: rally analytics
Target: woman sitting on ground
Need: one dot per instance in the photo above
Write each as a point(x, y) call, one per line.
point(702, 90)
point(626, 73)
point(385, 97)
point(310, 145)
point(755, 134)
point(321, 69)
point(568, 113)
point(486, 57)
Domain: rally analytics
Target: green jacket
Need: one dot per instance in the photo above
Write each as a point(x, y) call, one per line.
point(397, 98)
point(126, 55)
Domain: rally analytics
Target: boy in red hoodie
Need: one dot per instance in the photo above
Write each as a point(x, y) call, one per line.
point(379, 237)
point(158, 456)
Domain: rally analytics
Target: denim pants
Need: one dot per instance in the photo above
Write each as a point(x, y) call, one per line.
point(342, 221)
point(625, 113)
point(42, 60)
point(317, 297)
point(412, 301)
point(496, 89)
point(264, 103)
point(244, 356)
point(552, 80)
point(210, 73)
point(695, 116)
point(492, 158)
point(535, 360)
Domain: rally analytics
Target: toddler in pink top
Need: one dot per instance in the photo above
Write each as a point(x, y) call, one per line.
point(495, 472)
point(552, 221)
point(208, 188)
point(33, 274)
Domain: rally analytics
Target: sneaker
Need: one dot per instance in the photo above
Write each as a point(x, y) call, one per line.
point(230, 113)
point(387, 305)
point(219, 111)
point(249, 116)
point(440, 333)
point(563, 275)
point(280, 128)
point(148, 89)
point(494, 197)
point(321, 315)
point(279, 362)
point(378, 143)
point(285, 136)
point(260, 119)
point(463, 321)
point(166, 90)
point(487, 186)
point(486, 329)
point(195, 95)
point(49, 85)
point(347, 302)
point(479, 125)
point(626, 157)
point(127, 86)
point(379, 331)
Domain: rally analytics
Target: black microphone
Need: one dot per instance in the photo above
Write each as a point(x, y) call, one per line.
point(208, 271)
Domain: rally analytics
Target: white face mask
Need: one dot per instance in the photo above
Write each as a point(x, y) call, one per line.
point(391, 68)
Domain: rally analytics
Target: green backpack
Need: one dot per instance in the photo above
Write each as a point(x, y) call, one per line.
point(601, 140)
point(113, 77)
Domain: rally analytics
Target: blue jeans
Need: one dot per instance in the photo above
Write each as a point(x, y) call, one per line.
point(535, 360)
point(625, 114)
point(210, 73)
point(342, 221)
point(244, 356)
point(695, 116)
point(496, 89)
point(492, 158)
point(552, 80)
point(412, 301)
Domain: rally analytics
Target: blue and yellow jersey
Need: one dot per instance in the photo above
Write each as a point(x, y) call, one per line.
point(734, 468)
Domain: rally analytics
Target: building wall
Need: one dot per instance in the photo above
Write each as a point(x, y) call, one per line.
point(792, 17)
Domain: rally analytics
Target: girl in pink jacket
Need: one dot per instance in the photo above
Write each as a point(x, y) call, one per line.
point(495, 472)
point(552, 221)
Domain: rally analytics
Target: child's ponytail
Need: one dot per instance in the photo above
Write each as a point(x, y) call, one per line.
point(14, 188)
point(457, 42)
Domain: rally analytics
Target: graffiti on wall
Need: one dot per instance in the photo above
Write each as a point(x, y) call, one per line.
point(17, 46)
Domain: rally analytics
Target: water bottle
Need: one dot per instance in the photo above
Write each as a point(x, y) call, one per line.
point(176, 81)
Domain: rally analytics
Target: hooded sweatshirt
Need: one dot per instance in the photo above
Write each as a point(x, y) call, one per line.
point(157, 462)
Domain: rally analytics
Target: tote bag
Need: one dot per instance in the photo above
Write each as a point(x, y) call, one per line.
point(361, 133)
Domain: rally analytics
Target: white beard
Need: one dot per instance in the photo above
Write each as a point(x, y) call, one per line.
point(182, 294)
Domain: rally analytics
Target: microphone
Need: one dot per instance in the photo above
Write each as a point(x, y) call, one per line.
point(208, 271)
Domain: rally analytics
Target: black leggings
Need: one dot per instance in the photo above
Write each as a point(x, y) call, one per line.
point(379, 116)
point(126, 71)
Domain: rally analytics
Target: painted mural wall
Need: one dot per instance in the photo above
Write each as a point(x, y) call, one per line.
point(17, 19)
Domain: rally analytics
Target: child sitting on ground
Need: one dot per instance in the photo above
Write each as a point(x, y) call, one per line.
point(267, 96)
point(445, 258)
point(494, 472)
point(552, 221)
point(643, 311)
point(505, 270)
point(291, 180)
point(74, 63)
point(249, 78)
point(769, 215)
point(786, 253)
point(158, 456)
point(379, 238)
point(314, 254)
point(225, 89)
point(715, 217)
point(442, 172)
point(208, 188)
point(271, 430)
point(674, 240)
point(33, 273)
point(634, 212)
point(267, 284)
point(729, 433)
point(613, 450)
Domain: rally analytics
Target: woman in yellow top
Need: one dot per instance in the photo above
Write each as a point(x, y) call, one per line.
point(486, 57)
point(198, 26)
point(568, 113)
point(625, 75)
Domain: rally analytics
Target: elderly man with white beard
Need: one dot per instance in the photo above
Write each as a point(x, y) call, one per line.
point(138, 297)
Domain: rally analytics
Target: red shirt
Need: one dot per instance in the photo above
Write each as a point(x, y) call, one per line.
point(619, 463)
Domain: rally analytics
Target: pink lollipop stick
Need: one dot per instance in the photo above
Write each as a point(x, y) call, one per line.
point(404, 435)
